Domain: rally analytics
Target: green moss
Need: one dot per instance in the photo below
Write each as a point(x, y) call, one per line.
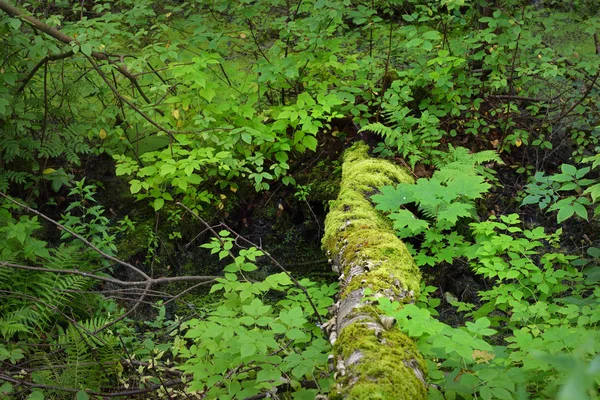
point(382, 372)
point(361, 235)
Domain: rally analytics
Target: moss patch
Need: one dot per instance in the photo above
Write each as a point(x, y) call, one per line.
point(382, 372)
point(360, 235)
point(379, 363)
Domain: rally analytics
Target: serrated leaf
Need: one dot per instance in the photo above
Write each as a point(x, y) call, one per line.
point(404, 219)
point(296, 334)
point(15, 23)
point(569, 186)
point(392, 198)
point(486, 393)
point(582, 172)
point(455, 211)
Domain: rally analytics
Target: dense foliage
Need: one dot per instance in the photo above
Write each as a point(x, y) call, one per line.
point(131, 131)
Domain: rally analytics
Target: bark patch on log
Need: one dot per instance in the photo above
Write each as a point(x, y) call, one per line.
point(374, 359)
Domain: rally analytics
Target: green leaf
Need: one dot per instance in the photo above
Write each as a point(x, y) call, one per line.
point(296, 334)
point(502, 393)
point(37, 395)
point(564, 213)
point(594, 191)
point(582, 172)
point(392, 198)
point(531, 199)
point(310, 142)
point(15, 23)
point(512, 274)
point(207, 93)
point(268, 375)
point(568, 169)
point(455, 211)
point(246, 137)
point(167, 169)
point(158, 204)
point(81, 395)
point(248, 350)
point(136, 186)
point(431, 35)
point(414, 43)
point(580, 210)
point(86, 49)
point(486, 393)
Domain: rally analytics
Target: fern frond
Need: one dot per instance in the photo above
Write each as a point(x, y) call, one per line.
point(459, 158)
point(51, 147)
point(380, 129)
point(15, 322)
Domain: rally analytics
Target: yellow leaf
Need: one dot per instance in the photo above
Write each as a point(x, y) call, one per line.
point(223, 197)
point(233, 189)
point(175, 113)
point(220, 206)
point(242, 35)
point(102, 134)
point(48, 171)
point(482, 356)
point(518, 142)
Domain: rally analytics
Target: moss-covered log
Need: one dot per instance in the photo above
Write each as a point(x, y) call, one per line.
point(374, 359)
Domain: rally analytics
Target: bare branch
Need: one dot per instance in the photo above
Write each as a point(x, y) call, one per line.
point(50, 57)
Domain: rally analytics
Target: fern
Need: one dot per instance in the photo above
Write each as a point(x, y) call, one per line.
point(380, 129)
point(10, 147)
point(459, 160)
point(85, 360)
point(32, 301)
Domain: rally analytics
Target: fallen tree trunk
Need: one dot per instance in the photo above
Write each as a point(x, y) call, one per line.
point(374, 359)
